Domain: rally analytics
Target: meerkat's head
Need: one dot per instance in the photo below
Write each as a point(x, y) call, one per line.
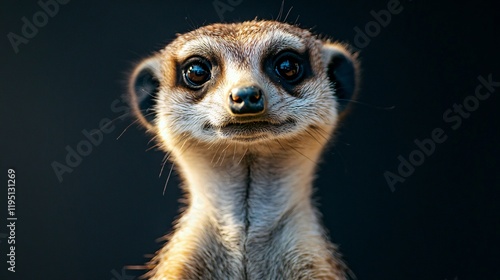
point(243, 83)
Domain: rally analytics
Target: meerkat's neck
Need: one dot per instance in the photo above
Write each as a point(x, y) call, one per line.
point(250, 210)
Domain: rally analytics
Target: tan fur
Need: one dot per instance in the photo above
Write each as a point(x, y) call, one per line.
point(249, 213)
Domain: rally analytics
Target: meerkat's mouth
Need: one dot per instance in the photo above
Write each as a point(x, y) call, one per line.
point(253, 130)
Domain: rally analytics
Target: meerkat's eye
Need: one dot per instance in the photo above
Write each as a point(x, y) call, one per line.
point(196, 72)
point(289, 67)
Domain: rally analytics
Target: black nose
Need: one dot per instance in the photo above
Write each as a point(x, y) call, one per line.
point(246, 100)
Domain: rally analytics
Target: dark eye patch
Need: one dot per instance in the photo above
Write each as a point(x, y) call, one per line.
point(287, 69)
point(196, 72)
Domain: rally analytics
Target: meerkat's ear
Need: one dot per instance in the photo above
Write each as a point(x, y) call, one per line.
point(143, 87)
point(343, 72)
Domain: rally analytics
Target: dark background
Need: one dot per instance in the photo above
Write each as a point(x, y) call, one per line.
point(442, 222)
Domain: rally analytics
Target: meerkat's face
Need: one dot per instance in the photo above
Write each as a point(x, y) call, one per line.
point(243, 83)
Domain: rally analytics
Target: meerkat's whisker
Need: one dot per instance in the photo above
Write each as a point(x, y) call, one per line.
point(244, 153)
point(287, 14)
point(168, 178)
point(101, 129)
point(234, 152)
point(134, 122)
point(218, 147)
point(152, 147)
point(163, 162)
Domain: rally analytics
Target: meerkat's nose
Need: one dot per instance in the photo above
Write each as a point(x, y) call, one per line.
point(248, 100)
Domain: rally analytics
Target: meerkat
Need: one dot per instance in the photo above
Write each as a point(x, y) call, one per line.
point(245, 111)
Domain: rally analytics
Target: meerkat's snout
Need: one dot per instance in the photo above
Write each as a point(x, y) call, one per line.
point(247, 100)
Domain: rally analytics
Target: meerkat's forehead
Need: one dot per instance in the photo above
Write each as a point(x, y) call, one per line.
point(242, 39)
